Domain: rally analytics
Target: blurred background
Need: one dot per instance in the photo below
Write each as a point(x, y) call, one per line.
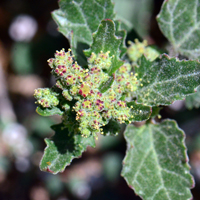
point(28, 38)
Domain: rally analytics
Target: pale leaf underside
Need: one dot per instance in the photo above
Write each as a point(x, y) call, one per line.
point(156, 164)
point(179, 20)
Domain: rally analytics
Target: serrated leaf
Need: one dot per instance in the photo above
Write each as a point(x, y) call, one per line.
point(78, 19)
point(62, 148)
point(193, 101)
point(180, 23)
point(48, 111)
point(165, 80)
point(139, 111)
point(156, 164)
point(122, 34)
point(105, 40)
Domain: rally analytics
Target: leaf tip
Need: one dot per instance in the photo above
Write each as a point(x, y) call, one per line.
point(48, 170)
point(108, 20)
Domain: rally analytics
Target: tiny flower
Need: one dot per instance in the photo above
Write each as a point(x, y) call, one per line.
point(60, 70)
point(87, 104)
point(95, 124)
point(51, 62)
point(74, 90)
point(99, 104)
point(80, 114)
point(95, 70)
point(121, 104)
point(112, 97)
point(60, 54)
point(84, 90)
point(123, 69)
point(76, 67)
point(70, 60)
point(96, 114)
point(92, 58)
point(107, 114)
point(99, 94)
point(120, 78)
point(70, 80)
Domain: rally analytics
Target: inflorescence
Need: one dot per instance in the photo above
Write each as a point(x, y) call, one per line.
point(137, 49)
point(78, 92)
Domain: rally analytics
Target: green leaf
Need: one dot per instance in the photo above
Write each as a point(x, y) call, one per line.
point(193, 101)
point(78, 19)
point(156, 164)
point(106, 85)
point(165, 80)
point(180, 23)
point(121, 34)
point(112, 128)
point(155, 111)
point(48, 111)
point(135, 14)
point(62, 148)
point(105, 40)
point(139, 111)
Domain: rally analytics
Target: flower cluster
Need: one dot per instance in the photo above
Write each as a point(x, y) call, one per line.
point(46, 97)
point(137, 49)
point(81, 89)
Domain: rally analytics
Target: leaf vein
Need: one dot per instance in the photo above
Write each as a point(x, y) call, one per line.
point(158, 163)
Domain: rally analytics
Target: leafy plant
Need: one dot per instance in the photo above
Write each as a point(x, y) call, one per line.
point(101, 84)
